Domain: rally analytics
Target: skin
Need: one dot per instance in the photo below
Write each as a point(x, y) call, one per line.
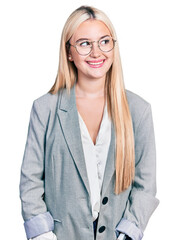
point(90, 97)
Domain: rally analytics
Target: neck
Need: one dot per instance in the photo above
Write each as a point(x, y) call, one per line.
point(90, 89)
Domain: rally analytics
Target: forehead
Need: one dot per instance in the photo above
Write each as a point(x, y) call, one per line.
point(91, 29)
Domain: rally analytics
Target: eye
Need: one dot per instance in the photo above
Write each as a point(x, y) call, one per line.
point(105, 41)
point(85, 44)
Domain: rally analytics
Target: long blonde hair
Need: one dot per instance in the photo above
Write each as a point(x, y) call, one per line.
point(118, 108)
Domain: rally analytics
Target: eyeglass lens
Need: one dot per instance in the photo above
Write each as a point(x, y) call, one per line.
point(84, 47)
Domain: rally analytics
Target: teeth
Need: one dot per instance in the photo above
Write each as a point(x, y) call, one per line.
point(92, 63)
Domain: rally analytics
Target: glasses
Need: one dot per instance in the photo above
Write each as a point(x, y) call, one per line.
point(84, 47)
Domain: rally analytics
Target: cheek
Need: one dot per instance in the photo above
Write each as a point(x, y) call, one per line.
point(110, 59)
point(78, 61)
point(111, 56)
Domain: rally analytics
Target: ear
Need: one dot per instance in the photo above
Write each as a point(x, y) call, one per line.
point(69, 56)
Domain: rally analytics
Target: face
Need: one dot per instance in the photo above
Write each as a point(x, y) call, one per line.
point(96, 64)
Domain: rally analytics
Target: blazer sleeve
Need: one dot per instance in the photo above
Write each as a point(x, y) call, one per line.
point(142, 202)
point(34, 211)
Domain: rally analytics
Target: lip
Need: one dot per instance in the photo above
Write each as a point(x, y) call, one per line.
point(96, 63)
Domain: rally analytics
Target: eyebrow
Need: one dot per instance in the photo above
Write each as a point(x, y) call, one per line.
point(82, 39)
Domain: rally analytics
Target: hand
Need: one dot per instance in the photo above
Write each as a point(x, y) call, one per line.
point(46, 236)
point(122, 236)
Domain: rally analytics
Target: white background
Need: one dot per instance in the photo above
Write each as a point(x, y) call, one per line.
point(29, 45)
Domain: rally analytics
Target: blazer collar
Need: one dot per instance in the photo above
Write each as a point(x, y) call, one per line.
point(68, 100)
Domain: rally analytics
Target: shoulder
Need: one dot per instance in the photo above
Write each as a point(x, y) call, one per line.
point(135, 101)
point(47, 100)
point(138, 107)
point(46, 105)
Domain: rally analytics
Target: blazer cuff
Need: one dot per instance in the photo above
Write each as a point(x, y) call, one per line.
point(130, 229)
point(38, 225)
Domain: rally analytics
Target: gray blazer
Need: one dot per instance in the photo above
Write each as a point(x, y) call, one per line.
point(54, 187)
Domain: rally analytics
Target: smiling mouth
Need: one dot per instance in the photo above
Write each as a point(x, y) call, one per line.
point(96, 63)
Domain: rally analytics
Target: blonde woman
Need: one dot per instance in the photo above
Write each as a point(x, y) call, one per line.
point(88, 170)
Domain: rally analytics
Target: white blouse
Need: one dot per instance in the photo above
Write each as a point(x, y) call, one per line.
point(95, 157)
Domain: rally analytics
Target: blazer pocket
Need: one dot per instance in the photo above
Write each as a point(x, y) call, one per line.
point(58, 228)
point(57, 220)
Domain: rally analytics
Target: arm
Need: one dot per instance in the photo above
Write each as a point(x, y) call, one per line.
point(34, 210)
point(142, 201)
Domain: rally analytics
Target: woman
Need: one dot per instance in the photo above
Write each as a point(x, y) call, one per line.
point(89, 163)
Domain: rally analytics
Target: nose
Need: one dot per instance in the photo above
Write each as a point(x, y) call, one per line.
point(95, 52)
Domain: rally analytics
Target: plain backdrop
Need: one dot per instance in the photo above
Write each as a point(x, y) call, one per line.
point(29, 47)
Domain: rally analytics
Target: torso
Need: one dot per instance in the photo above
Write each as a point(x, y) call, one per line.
point(91, 111)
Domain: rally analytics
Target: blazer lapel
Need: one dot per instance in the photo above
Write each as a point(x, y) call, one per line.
point(68, 118)
point(110, 163)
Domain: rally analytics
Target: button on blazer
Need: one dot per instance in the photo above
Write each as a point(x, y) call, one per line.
point(54, 187)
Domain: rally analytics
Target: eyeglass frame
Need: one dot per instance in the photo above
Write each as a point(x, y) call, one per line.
point(68, 44)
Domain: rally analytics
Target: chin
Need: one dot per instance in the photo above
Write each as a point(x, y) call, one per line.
point(97, 76)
